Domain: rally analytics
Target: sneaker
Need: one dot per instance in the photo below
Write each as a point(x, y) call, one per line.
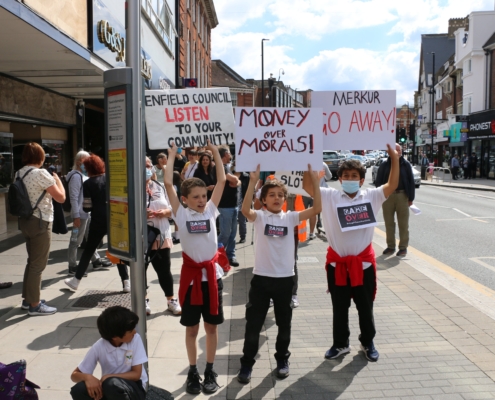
point(243, 240)
point(192, 383)
point(271, 303)
point(25, 304)
point(210, 384)
point(102, 263)
point(126, 286)
point(312, 236)
point(370, 352)
point(42, 309)
point(335, 352)
point(388, 251)
point(176, 241)
point(73, 283)
point(148, 308)
point(402, 253)
point(72, 272)
point(244, 374)
point(233, 262)
point(174, 307)
point(294, 302)
point(282, 369)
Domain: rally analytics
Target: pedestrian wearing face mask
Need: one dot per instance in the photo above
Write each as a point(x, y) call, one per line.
point(398, 203)
point(349, 218)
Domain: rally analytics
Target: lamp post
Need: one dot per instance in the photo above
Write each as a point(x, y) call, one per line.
point(432, 91)
point(271, 82)
point(262, 74)
point(283, 73)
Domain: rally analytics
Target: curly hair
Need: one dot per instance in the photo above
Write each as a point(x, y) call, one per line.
point(351, 164)
point(270, 185)
point(94, 165)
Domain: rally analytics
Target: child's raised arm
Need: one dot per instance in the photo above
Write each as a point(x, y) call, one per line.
point(168, 179)
point(248, 198)
point(316, 209)
point(217, 193)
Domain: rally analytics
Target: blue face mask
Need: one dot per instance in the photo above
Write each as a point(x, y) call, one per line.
point(149, 173)
point(350, 187)
point(83, 169)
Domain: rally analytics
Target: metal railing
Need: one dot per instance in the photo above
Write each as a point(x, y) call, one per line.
point(440, 174)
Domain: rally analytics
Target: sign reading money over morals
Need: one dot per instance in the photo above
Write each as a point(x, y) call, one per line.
point(189, 117)
point(278, 138)
point(357, 120)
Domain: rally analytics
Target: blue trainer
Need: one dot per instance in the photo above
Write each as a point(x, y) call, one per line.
point(335, 352)
point(244, 374)
point(370, 352)
point(282, 369)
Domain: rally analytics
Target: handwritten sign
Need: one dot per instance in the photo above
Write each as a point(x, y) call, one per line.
point(363, 120)
point(188, 117)
point(278, 138)
point(355, 216)
point(293, 180)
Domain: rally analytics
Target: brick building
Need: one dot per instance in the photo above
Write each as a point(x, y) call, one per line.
point(241, 92)
point(196, 20)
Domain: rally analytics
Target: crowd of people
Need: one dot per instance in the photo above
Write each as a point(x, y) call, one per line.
point(201, 197)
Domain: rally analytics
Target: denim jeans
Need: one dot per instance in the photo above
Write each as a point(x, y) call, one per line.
point(228, 229)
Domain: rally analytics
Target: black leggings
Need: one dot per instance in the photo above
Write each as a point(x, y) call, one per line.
point(161, 264)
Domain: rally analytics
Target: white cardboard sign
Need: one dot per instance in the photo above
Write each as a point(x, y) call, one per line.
point(357, 120)
point(188, 117)
point(293, 180)
point(278, 138)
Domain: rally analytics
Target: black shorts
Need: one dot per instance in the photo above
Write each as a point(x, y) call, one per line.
point(191, 315)
point(308, 201)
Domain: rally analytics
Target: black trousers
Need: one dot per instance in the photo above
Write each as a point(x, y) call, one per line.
point(473, 172)
point(263, 289)
point(455, 171)
point(466, 173)
point(341, 301)
point(161, 264)
point(113, 389)
point(296, 274)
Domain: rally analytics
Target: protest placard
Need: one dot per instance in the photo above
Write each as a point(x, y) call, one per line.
point(278, 138)
point(357, 120)
point(188, 117)
point(293, 180)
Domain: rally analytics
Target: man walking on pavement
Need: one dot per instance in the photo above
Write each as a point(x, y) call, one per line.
point(228, 209)
point(398, 202)
point(454, 163)
point(424, 164)
point(473, 165)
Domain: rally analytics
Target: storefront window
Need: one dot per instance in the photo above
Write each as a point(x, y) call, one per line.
point(491, 160)
point(6, 157)
point(476, 148)
point(54, 155)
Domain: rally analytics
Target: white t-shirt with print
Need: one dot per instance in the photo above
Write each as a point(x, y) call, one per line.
point(115, 360)
point(353, 242)
point(199, 247)
point(37, 181)
point(274, 243)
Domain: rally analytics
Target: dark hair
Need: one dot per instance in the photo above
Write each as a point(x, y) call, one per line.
point(222, 150)
point(33, 153)
point(192, 153)
point(189, 184)
point(270, 185)
point(351, 164)
point(207, 155)
point(94, 165)
point(160, 156)
point(116, 322)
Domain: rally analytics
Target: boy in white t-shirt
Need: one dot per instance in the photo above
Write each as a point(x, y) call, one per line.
point(273, 269)
point(200, 289)
point(121, 355)
point(349, 221)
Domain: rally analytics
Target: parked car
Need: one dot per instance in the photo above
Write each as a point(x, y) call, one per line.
point(332, 159)
point(371, 158)
point(374, 171)
point(363, 159)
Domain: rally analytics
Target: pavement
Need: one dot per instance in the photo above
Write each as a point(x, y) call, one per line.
point(435, 331)
point(445, 180)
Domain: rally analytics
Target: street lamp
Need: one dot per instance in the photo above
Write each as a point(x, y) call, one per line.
point(432, 92)
point(271, 82)
point(283, 72)
point(262, 74)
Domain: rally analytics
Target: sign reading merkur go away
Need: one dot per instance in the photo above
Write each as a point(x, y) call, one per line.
point(188, 117)
point(279, 139)
point(357, 119)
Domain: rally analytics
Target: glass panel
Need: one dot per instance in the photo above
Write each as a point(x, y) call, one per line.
point(6, 164)
point(54, 157)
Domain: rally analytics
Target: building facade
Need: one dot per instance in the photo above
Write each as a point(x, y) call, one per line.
point(241, 92)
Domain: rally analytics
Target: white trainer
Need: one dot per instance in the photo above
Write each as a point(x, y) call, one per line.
point(174, 307)
point(73, 283)
point(126, 286)
point(148, 308)
point(312, 236)
point(42, 309)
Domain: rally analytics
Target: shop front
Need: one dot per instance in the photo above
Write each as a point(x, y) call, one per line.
point(481, 138)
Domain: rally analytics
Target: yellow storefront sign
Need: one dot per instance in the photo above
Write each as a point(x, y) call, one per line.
point(119, 226)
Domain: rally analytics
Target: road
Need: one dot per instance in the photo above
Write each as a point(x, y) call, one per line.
point(456, 227)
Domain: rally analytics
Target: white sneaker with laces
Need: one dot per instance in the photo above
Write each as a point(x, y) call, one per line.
point(312, 236)
point(271, 302)
point(174, 307)
point(42, 309)
point(126, 286)
point(148, 308)
point(295, 302)
point(73, 283)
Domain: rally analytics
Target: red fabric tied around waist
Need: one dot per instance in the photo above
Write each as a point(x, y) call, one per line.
point(191, 271)
point(351, 266)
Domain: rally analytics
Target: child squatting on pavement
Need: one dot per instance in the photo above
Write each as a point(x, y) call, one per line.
point(200, 288)
point(349, 220)
point(273, 269)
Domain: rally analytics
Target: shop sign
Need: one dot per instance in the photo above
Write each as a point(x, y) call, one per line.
point(111, 39)
point(482, 125)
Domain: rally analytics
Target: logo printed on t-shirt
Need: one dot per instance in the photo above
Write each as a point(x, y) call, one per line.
point(356, 216)
point(275, 231)
point(198, 226)
point(128, 357)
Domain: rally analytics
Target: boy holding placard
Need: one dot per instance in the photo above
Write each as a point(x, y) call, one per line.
point(349, 221)
point(200, 289)
point(273, 269)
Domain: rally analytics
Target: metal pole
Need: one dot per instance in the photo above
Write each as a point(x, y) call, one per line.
point(432, 104)
point(262, 74)
point(133, 58)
